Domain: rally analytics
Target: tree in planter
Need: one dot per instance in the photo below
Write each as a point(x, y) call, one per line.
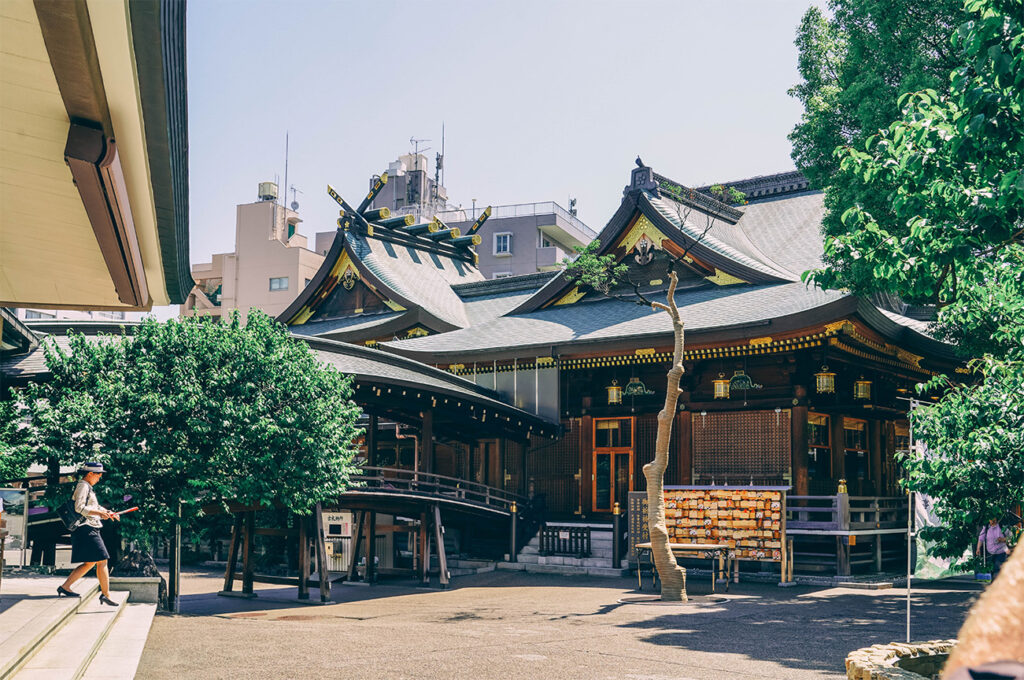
point(951, 171)
point(604, 275)
point(194, 412)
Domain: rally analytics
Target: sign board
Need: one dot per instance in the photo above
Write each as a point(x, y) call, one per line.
point(337, 524)
point(751, 520)
point(15, 517)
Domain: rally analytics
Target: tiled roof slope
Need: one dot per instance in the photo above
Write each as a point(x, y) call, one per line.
point(605, 320)
point(786, 232)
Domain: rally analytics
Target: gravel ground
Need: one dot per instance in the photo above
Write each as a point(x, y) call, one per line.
point(513, 625)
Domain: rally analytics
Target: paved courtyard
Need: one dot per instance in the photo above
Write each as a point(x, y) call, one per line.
point(512, 625)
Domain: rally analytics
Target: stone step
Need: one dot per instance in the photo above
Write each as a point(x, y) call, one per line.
point(528, 559)
point(470, 563)
point(35, 616)
point(118, 656)
point(563, 570)
point(530, 549)
point(68, 653)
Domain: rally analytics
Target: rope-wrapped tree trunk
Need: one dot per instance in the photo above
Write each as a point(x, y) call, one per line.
point(673, 576)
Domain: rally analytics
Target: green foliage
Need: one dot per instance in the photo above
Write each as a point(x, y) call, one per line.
point(932, 210)
point(195, 411)
point(599, 272)
point(728, 195)
point(975, 468)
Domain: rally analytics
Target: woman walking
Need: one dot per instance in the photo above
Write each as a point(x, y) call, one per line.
point(86, 544)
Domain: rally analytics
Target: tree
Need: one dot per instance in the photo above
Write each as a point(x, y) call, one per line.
point(951, 171)
point(194, 412)
point(854, 66)
point(603, 274)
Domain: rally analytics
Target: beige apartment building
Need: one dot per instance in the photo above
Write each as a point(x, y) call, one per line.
point(271, 264)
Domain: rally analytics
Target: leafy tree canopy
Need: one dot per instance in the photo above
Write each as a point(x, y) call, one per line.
point(195, 411)
point(946, 225)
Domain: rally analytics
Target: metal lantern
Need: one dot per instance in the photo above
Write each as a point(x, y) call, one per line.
point(721, 387)
point(614, 393)
point(825, 381)
point(862, 389)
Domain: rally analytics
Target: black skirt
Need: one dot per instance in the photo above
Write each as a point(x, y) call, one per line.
point(87, 545)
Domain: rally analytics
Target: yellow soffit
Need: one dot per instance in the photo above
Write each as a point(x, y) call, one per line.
point(574, 295)
point(642, 227)
point(114, 49)
point(723, 279)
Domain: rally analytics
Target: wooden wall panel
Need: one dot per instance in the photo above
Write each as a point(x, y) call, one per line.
point(737, 446)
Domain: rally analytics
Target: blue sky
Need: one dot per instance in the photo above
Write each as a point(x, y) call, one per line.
point(540, 100)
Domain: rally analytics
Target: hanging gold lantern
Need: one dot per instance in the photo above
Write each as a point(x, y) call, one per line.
point(862, 389)
point(614, 393)
point(825, 381)
point(721, 387)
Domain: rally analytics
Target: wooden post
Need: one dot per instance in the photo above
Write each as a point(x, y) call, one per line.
point(513, 540)
point(442, 558)
point(876, 443)
point(878, 553)
point(685, 463)
point(247, 562)
point(356, 544)
point(229, 571)
point(427, 447)
point(424, 551)
point(371, 442)
point(370, 574)
point(842, 555)
point(798, 447)
point(174, 566)
point(321, 556)
point(303, 523)
point(586, 465)
point(838, 437)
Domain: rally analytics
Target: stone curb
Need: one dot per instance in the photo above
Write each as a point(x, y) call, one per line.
point(878, 662)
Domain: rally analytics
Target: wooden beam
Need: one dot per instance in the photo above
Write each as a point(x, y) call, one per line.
point(321, 556)
point(371, 547)
point(371, 441)
point(247, 562)
point(424, 551)
point(442, 558)
point(798, 449)
point(356, 541)
point(303, 523)
point(427, 445)
point(876, 444)
point(684, 464)
point(229, 571)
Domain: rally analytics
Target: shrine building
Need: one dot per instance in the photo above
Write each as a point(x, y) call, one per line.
point(784, 384)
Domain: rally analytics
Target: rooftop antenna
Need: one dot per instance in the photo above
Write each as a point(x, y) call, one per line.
point(295, 203)
point(439, 167)
point(285, 192)
point(416, 148)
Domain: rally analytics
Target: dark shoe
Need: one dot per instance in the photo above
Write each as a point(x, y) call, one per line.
point(106, 600)
point(62, 592)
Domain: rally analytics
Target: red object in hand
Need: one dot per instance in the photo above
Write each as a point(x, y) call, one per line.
point(122, 512)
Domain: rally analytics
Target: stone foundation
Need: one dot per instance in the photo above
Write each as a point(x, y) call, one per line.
point(899, 661)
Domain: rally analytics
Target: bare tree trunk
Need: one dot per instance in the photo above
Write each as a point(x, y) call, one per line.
point(673, 576)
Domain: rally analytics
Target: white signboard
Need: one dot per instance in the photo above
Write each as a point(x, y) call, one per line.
point(15, 518)
point(337, 524)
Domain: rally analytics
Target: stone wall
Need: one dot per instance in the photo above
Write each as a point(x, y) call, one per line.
point(899, 661)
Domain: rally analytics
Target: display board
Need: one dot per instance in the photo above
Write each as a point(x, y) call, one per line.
point(751, 520)
point(15, 516)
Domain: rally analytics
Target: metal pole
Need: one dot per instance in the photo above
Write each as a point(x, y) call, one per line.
point(910, 521)
point(616, 536)
point(512, 537)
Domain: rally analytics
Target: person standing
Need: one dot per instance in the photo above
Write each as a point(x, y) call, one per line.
point(87, 546)
point(993, 540)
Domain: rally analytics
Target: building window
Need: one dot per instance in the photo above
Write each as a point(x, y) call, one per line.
point(306, 283)
point(855, 445)
point(501, 275)
point(503, 243)
point(291, 229)
point(279, 283)
point(542, 240)
point(819, 447)
point(33, 314)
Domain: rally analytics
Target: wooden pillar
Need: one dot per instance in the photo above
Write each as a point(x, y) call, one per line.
point(524, 477)
point(303, 522)
point(424, 551)
point(798, 448)
point(236, 539)
point(427, 448)
point(356, 544)
point(586, 464)
point(371, 442)
point(321, 554)
point(481, 462)
point(684, 466)
point(371, 546)
point(877, 442)
point(838, 447)
point(247, 561)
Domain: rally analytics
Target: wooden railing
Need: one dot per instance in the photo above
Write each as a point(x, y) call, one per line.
point(846, 513)
point(571, 541)
point(409, 482)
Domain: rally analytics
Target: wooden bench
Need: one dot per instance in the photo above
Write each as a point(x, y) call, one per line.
point(718, 553)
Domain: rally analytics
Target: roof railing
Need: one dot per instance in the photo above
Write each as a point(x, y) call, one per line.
point(518, 210)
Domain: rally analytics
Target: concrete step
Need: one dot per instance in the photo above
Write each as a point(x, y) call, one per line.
point(528, 559)
point(67, 654)
point(118, 656)
point(563, 570)
point(470, 564)
point(33, 614)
